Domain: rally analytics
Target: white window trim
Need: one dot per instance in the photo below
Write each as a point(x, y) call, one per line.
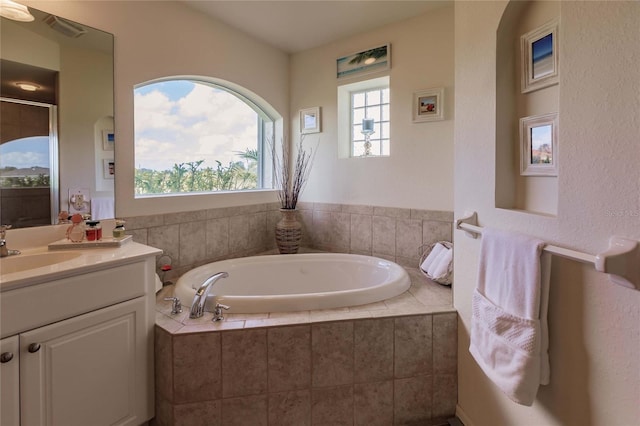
point(344, 112)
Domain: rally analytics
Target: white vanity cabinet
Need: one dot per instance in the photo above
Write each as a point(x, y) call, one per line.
point(10, 381)
point(82, 348)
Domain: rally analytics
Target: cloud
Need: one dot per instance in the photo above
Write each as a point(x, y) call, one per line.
point(207, 124)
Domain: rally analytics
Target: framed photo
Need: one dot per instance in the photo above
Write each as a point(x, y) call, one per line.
point(539, 54)
point(108, 140)
point(310, 120)
point(108, 168)
point(539, 145)
point(367, 61)
point(428, 105)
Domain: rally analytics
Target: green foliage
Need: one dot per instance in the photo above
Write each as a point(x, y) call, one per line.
point(189, 177)
point(24, 182)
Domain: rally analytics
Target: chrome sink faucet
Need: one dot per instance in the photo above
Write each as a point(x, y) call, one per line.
point(4, 251)
point(197, 307)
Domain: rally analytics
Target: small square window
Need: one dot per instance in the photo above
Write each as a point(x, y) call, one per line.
point(366, 105)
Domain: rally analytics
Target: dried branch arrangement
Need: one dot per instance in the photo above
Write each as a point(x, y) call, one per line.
point(291, 175)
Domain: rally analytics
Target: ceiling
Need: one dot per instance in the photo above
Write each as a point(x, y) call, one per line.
point(298, 25)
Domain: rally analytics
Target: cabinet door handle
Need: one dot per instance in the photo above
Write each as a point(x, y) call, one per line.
point(6, 357)
point(34, 347)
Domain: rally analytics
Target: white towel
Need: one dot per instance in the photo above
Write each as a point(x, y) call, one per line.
point(432, 256)
point(440, 266)
point(509, 335)
point(102, 208)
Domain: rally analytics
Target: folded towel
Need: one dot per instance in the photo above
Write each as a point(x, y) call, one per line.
point(509, 336)
point(432, 256)
point(440, 266)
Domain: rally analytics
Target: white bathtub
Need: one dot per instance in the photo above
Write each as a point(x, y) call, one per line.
point(296, 282)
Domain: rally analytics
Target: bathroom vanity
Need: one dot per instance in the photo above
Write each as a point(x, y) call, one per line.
point(76, 342)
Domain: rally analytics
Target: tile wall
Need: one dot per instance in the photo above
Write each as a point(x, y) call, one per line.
point(198, 237)
point(379, 371)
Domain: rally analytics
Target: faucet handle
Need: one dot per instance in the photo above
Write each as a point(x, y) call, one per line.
point(217, 312)
point(176, 306)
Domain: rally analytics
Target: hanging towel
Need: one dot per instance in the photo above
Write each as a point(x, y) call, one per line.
point(509, 333)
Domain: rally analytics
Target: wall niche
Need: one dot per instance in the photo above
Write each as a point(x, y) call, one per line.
point(527, 161)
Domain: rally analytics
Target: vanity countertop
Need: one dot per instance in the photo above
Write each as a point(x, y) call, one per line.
point(79, 262)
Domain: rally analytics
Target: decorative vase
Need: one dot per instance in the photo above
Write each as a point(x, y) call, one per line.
point(288, 232)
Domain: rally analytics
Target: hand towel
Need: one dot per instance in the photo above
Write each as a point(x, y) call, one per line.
point(509, 336)
point(440, 266)
point(432, 256)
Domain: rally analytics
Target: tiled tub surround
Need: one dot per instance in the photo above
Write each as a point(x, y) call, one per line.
point(198, 237)
point(386, 363)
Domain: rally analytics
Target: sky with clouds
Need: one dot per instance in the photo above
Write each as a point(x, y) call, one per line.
point(25, 153)
point(185, 121)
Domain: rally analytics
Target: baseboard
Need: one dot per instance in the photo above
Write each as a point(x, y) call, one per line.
point(463, 416)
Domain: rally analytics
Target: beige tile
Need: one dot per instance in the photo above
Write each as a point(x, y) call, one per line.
point(357, 209)
point(340, 230)
point(408, 238)
point(185, 217)
point(373, 350)
point(238, 233)
point(332, 353)
point(445, 395)
point(163, 412)
point(373, 403)
point(433, 231)
point(249, 410)
point(138, 222)
point(206, 413)
point(332, 406)
point(289, 358)
point(336, 315)
point(193, 243)
point(192, 381)
point(321, 230)
point(306, 219)
point(413, 353)
point(437, 215)
point(220, 212)
point(392, 212)
point(257, 238)
point(445, 344)
point(327, 207)
point(163, 355)
point(384, 235)
point(217, 237)
point(167, 324)
point(361, 232)
point(290, 408)
point(412, 400)
point(139, 235)
point(303, 205)
point(244, 362)
point(166, 238)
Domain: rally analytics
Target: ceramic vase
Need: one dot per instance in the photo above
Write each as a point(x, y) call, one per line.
point(288, 232)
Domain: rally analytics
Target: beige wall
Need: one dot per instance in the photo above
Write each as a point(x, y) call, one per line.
point(159, 39)
point(594, 325)
point(419, 172)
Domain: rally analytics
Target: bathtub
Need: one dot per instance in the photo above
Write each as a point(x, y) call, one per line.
point(296, 282)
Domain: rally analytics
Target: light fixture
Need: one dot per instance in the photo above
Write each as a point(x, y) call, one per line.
point(29, 87)
point(370, 60)
point(15, 11)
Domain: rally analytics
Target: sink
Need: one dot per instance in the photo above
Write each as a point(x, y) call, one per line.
point(23, 262)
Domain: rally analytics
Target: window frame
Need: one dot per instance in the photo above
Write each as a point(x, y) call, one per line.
point(352, 124)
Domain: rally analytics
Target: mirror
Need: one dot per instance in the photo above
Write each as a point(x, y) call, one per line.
point(57, 135)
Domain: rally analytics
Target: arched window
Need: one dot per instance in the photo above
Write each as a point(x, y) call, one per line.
point(194, 136)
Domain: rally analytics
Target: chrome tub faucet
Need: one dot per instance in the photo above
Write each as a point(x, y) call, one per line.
point(4, 251)
point(197, 307)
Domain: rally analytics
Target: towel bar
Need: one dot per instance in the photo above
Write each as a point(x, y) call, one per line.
point(621, 260)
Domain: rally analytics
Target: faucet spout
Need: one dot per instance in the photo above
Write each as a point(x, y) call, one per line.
point(199, 300)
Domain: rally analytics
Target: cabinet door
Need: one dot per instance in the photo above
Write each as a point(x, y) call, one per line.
point(10, 381)
point(82, 371)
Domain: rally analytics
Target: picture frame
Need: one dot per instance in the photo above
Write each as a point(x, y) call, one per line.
point(108, 168)
point(539, 145)
point(108, 140)
point(310, 120)
point(540, 57)
point(375, 59)
point(428, 105)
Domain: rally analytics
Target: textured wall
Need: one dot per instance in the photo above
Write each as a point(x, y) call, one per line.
point(594, 325)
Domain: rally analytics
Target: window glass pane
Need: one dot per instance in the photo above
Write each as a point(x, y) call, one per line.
point(385, 112)
point(385, 96)
point(358, 100)
point(385, 131)
point(373, 98)
point(358, 149)
point(358, 115)
point(191, 136)
point(375, 147)
point(374, 112)
point(385, 147)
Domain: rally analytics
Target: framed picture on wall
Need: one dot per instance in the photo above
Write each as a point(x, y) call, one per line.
point(108, 168)
point(428, 105)
point(310, 120)
point(364, 62)
point(539, 145)
point(539, 57)
point(108, 140)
